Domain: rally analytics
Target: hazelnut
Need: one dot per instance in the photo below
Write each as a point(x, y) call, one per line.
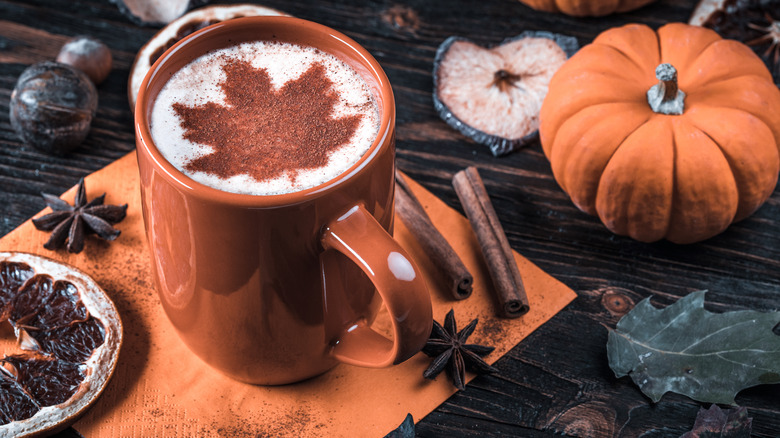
point(186, 24)
point(52, 106)
point(89, 55)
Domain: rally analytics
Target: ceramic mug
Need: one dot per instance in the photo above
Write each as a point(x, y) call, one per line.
point(276, 289)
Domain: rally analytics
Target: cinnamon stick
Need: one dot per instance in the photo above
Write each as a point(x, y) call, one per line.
point(451, 269)
point(507, 282)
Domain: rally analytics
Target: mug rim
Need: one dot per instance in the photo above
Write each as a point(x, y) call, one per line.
point(192, 187)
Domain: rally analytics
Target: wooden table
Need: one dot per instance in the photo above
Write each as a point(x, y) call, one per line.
point(555, 382)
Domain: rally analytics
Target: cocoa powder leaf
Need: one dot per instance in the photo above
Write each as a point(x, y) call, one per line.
point(686, 349)
point(295, 122)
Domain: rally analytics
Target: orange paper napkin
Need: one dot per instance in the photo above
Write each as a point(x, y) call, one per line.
point(162, 389)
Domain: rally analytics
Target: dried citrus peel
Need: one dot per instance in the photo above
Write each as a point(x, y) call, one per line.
point(95, 371)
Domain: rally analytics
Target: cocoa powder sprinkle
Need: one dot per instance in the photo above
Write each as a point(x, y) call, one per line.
point(264, 132)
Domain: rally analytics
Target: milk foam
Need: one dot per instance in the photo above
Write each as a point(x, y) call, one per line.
point(198, 83)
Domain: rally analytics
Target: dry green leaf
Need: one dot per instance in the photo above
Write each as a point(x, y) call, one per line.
point(717, 423)
point(683, 348)
point(405, 430)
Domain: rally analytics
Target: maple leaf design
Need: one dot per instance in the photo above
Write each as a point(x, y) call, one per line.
point(264, 132)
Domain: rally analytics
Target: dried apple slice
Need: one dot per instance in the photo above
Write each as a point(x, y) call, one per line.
point(494, 95)
point(68, 335)
point(186, 24)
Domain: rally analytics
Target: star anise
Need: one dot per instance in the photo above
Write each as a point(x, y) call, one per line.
point(449, 349)
point(771, 36)
point(72, 223)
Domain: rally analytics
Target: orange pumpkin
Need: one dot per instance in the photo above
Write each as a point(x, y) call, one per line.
point(581, 8)
point(654, 160)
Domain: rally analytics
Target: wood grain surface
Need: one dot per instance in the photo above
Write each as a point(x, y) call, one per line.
point(556, 382)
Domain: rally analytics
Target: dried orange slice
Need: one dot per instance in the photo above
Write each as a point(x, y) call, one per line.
point(68, 334)
point(181, 27)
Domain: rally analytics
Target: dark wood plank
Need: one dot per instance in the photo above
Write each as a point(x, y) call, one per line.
point(556, 382)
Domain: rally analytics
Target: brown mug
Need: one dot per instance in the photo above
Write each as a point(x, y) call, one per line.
point(276, 289)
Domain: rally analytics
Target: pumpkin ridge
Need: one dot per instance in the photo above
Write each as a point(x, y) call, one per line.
point(718, 214)
point(708, 97)
point(747, 201)
point(674, 194)
point(605, 50)
point(626, 198)
point(701, 88)
point(551, 116)
point(683, 58)
point(713, 57)
point(585, 108)
point(736, 110)
point(777, 140)
point(725, 157)
point(606, 163)
point(696, 59)
point(563, 162)
point(624, 55)
point(638, 41)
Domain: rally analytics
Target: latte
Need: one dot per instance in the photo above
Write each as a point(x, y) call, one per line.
point(264, 118)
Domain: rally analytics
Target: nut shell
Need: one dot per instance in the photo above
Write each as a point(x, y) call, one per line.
point(169, 35)
point(52, 106)
point(89, 55)
point(155, 13)
point(705, 9)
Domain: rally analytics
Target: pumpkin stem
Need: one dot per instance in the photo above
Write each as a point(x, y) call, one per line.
point(664, 97)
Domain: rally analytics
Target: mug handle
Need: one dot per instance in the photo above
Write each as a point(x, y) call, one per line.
point(358, 236)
